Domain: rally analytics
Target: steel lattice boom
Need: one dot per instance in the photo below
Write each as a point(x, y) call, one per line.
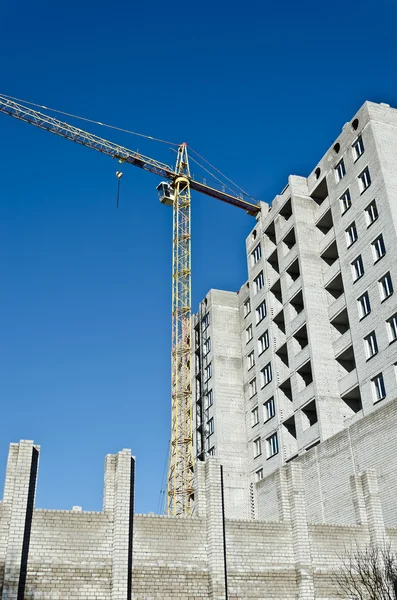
point(180, 490)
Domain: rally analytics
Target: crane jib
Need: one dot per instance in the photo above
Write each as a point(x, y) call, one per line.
point(89, 140)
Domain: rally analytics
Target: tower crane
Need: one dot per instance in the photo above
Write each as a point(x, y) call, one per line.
point(175, 192)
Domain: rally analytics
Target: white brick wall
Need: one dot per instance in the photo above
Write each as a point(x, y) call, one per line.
point(292, 554)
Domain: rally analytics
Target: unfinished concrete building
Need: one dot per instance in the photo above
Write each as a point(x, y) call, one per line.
point(306, 347)
point(295, 410)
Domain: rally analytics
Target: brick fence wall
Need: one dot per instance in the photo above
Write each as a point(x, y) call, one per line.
point(289, 553)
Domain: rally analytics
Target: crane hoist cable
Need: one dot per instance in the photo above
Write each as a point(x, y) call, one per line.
point(119, 175)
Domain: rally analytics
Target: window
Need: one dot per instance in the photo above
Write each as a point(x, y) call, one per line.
point(392, 327)
point(378, 387)
point(378, 248)
point(266, 375)
point(211, 451)
point(211, 426)
point(259, 282)
point(268, 409)
point(357, 268)
point(210, 398)
point(260, 312)
point(247, 308)
point(371, 345)
point(364, 305)
point(258, 475)
point(385, 286)
point(263, 342)
point(340, 170)
point(345, 202)
point(364, 180)
point(248, 334)
point(207, 346)
point(254, 416)
point(250, 360)
point(208, 372)
point(371, 213)
point(358, 148)
point(205, 321)
point(256, 254)
point(252, 387)
point(257, 447)
point(351, 234)
point(272, 445)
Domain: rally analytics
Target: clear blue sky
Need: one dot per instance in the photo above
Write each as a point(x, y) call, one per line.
point(260, 89)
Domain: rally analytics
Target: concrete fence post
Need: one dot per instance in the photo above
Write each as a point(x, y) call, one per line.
point(373, 508)
point(300, 533)
point(215, 530)
point(19, 493)
point(123, 511)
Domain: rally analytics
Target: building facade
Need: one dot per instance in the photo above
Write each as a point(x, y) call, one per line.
point(317, 318)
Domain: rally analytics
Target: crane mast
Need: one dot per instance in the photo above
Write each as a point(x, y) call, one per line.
point(180, 473)
point(177, 193)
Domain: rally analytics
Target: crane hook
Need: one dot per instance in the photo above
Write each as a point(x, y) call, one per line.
point(119, 176)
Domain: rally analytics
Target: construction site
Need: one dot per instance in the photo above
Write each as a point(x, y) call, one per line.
point(283, 400)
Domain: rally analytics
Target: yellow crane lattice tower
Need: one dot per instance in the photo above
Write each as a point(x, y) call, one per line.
point(181, 451)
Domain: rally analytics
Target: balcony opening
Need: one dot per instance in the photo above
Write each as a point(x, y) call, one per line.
point(321, 192)
point(341, 322)
point(330, 254)
point(289, 240)
point(279, 320)
point(305, 374)
point(301, 338)
point(271, 232)
point(286, 210)
point(276, 291)
point(199, 416)
point(273, 261)
point(297, 303)
point(199, 446)
point(353, 400)
point(335, 287)
point(282, 353)
point(286, 389)
point(289, 425)
point(325, 223)
point(347, 360)
point(197, 338)
point(309, 414)
point(293, 270)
